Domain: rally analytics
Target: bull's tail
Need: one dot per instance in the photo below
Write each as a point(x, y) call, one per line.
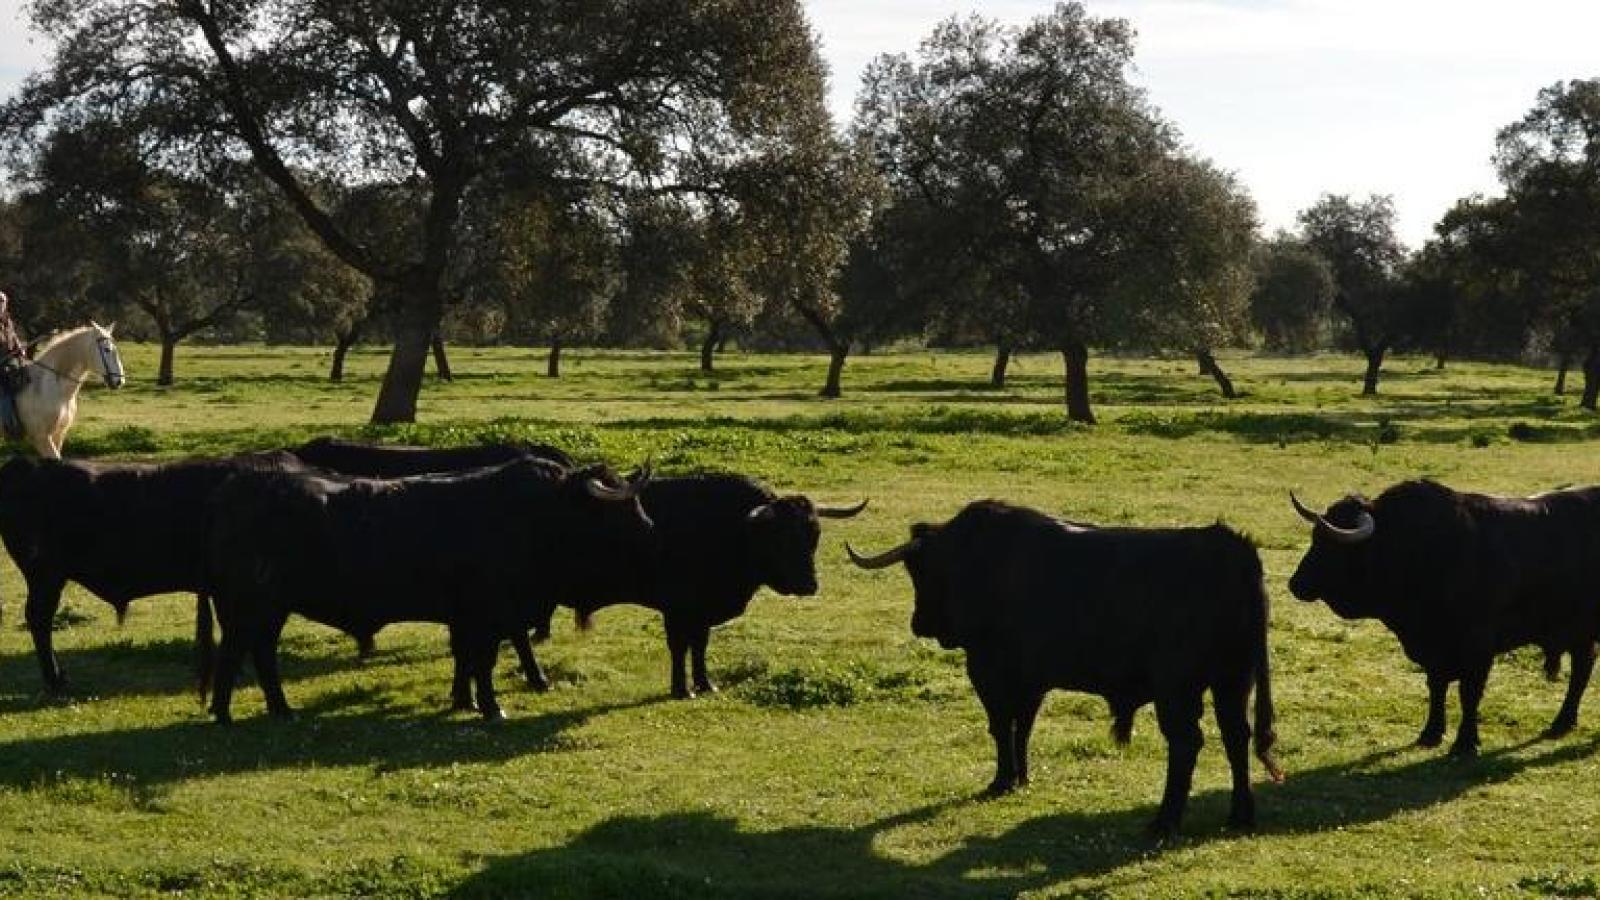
point(1265, 730)
point(205, 646)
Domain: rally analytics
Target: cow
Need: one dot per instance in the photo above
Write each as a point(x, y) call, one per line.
point(483, 552)
point(363, 460)
point(723, 537)
point(122, 530)
point(1135, 616)
point(1460, 578)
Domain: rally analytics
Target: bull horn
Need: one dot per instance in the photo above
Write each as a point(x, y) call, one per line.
point(601, 491)
point(882, 560)
point(1365, 526)
point(761, 513)
point(642, 475)
point(1307, 514)
point(841, 512)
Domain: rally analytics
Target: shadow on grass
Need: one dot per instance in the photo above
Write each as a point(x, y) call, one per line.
point(122, 668)
point(354, 726)
point(697, 854)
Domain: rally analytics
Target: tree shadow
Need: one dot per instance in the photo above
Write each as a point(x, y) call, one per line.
point(701, 854)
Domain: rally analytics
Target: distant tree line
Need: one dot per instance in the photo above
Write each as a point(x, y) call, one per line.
point(665, 173)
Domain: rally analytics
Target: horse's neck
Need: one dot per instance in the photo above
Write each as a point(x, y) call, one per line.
point(68, 358)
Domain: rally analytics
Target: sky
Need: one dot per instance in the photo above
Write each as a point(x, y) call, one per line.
point(1296, 97)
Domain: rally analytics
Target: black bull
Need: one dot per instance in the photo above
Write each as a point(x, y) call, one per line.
point(122, 530)
point(723, 537)
point(485, 552)
point(1133, 615)
point(1460, 578)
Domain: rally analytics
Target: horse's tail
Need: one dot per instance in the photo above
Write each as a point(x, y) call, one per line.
point(205, 645)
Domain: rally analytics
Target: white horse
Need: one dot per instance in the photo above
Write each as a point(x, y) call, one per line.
point(49, 402)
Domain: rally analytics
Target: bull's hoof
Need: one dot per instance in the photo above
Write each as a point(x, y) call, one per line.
point(365, 648)
point(285, 714)
point(1430, 738)
point(705, 687)
point(57, 685)
point(542, 685)
point(1559, 728)
point(1242, 818)
point(1000, 787)
point(494, 714)
point(1161, 829)
point(1464, 750)
point(682, 693)
point(222, 717)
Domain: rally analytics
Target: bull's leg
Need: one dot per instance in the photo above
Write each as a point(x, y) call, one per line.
point(1582, 667)
point(481, 656)
point(44, 599)
point(264, 653)
point(1433, 729)
point(678, 647)
point(1027, 711)
point(1552, 664)
point(1472, 683)
point(1231, 703)
point(366, 646)
point(1179, 717)
point(230, 655)
point(697, 651)
point(1000, 705)
point(531, 669)
point(461, 679)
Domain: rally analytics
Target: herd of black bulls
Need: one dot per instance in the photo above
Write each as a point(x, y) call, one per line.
point(490, 540)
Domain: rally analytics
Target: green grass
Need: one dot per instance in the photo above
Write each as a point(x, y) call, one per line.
point(843, 755)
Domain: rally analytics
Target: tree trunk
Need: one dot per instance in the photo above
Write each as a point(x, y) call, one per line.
point(415, 322)
point(1591, 379)
point(1369, 382)
point(441, 362)
point(1002, 361)
point(710, 345)
point(836, 357)
point(1563, 363)
point(1208, 366)
point(341, 348)
point(1075, 357)
point(169, 345)
point(552, 367)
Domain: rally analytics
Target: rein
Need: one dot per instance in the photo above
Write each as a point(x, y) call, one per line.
point(59, 374)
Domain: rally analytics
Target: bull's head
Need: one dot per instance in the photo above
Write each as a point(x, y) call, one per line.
point(1334, 569)
point(933, 614)
point(783, 541)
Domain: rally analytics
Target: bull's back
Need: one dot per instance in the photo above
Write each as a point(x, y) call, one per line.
point(1109, 611)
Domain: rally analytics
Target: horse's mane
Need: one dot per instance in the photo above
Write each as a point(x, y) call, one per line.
point(60, 337)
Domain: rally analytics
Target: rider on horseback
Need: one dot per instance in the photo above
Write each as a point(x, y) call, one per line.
point(13, 355)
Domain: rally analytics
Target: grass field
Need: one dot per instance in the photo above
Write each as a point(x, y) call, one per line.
point(843, 756)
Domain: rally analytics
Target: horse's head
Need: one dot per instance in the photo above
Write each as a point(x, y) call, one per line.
point(106, 349)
